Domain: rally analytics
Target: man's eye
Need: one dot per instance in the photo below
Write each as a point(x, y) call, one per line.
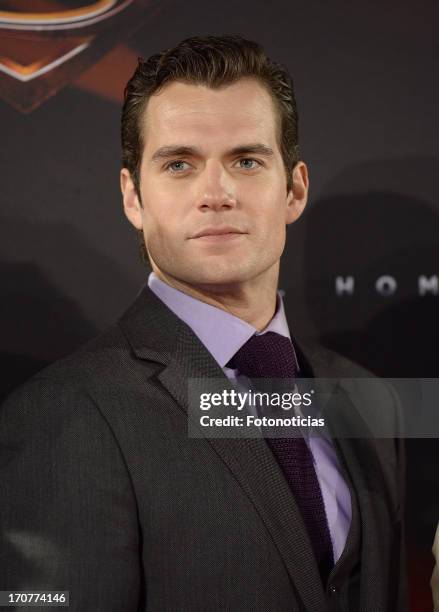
point(248, 163)
point(177, 166)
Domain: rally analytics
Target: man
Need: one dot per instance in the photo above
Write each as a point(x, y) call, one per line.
point(104, 494)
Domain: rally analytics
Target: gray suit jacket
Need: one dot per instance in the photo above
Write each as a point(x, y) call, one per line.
point(104, 494)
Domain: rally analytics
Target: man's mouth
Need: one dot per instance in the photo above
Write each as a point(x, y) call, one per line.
point(216, 234)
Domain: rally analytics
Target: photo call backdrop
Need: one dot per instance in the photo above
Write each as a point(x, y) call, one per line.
point(361, 268)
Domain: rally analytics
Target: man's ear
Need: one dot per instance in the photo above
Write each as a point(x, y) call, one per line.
point(131, 202)
point(298, 195)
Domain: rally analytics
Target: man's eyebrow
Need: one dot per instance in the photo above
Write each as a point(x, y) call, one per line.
point(174, 151)
point(254, 149)
point(170, 151)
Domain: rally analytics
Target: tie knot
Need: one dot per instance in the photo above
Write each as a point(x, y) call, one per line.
point(268, 355)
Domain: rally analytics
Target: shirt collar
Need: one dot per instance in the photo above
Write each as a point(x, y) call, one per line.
point(222, 333)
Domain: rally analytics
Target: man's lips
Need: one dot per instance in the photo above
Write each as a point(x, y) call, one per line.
point(219, 237)
point(218, 233)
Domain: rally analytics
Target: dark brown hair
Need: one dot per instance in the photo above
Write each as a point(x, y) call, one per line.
point(214, 61)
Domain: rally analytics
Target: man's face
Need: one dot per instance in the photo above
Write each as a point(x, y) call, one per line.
point(211, 163)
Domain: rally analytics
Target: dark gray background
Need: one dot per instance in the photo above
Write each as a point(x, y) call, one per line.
point(367, 89)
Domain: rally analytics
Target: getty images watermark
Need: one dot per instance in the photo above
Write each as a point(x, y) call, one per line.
point(364, 407)
point(255, 402)
point(271, 410)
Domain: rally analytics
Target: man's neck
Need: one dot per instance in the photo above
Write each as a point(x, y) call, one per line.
point(253, 302)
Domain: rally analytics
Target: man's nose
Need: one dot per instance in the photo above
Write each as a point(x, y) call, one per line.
point(215, 189)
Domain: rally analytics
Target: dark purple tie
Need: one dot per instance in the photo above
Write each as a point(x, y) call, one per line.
point(271, 355)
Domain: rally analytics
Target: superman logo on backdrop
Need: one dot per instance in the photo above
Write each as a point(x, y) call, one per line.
point(47, 44)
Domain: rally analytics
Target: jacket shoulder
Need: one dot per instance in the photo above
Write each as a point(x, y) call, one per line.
point(103, 360)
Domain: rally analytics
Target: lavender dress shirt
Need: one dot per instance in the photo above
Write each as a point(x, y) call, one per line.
point(223, 334)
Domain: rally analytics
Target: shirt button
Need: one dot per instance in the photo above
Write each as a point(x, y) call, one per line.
point(332, 589)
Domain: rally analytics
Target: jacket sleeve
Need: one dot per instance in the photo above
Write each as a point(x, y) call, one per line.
point(400, 551)
point(403, 570)
point(434, 582)
point(68, 519)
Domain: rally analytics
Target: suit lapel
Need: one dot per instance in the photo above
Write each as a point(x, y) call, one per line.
point(363, 463)
point(155, 333)
point(358, 451)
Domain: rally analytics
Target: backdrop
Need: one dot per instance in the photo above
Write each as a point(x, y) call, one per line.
point(360, 270)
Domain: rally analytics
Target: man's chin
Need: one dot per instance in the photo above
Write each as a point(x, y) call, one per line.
point(215, 279)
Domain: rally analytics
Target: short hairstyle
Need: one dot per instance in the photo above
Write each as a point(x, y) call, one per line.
point(214, 61)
